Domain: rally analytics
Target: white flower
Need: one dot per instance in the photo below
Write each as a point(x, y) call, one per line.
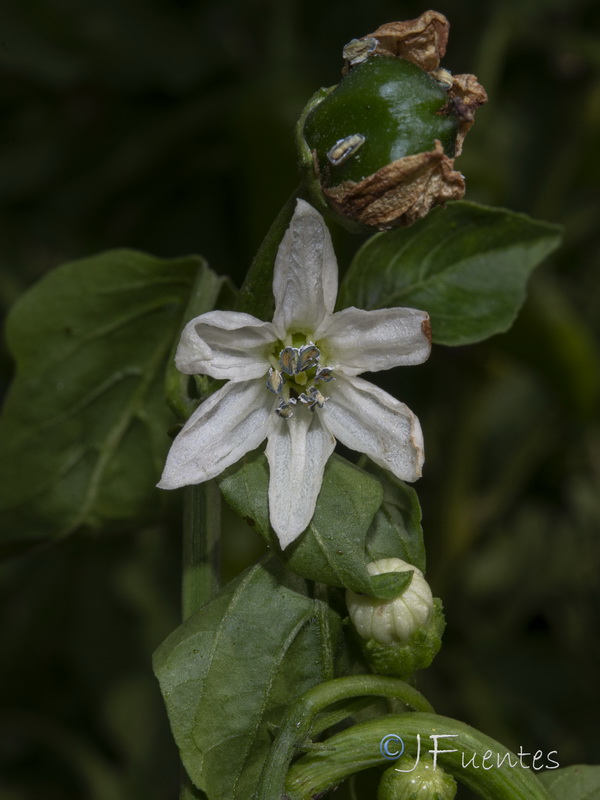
point(293, 381)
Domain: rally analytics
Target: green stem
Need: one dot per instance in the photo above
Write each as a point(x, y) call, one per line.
point(358, 748)
point(296, 725)
point(201, 563)
point(201, 546)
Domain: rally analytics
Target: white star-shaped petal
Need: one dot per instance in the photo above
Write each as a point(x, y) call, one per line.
point(303, 395)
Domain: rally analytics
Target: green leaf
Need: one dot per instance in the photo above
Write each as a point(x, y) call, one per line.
point(390, 585)
point(83, 435)
point(396, 530)
point(466, 265)
point(580, 782)
point(332, 549)
point(230, 671)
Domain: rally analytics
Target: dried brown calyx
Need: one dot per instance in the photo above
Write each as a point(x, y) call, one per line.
point(422, 40)
point(401, 192)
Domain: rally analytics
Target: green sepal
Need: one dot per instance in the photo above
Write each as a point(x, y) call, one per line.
point(390, 585)
point(396, 530)
point(403, 660)
point(310, 178)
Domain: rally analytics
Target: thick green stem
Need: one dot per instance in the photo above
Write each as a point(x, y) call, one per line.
point(296, 725)
point(494, 774)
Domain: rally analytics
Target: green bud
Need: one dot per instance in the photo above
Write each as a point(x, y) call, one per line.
point(379, 147)
point(402, 635)
point(403, 660)
point(421, 783)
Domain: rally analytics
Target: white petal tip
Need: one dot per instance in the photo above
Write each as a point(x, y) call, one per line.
point(164, 484)
point(302, 208)
point(289, 529)
point(287, 536)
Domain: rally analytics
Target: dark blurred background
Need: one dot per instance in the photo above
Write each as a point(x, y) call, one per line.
point(166, 125)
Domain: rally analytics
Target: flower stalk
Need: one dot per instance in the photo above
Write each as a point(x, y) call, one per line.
point(358, 748)
point(298, 722)
point(201, 553)
point(201, 566)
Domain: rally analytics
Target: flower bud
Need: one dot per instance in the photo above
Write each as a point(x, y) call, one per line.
point(402, 635)
point(379, 147)
point(422, 782)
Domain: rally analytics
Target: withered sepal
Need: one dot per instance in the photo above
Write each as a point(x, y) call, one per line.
point(422, 40)
point(401, 192)
point(465, 96)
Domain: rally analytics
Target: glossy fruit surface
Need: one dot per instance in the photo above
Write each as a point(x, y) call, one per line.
point(390, 103)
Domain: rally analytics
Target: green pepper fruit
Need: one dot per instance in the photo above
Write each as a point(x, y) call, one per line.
point(378, 149)
point(385, 108)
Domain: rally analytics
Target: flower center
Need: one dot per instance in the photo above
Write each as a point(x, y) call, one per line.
point(296, 377)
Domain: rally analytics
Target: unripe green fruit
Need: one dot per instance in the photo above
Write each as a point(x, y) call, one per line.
point(421, 783)
point(395, 106)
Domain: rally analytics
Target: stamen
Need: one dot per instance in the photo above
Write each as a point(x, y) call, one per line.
point(298, 363)
point(286, 410)
point(324, 374)
point(314, 398)
point(275, 381)
point(308, 356)
point(288, 359)
point(318, 399)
